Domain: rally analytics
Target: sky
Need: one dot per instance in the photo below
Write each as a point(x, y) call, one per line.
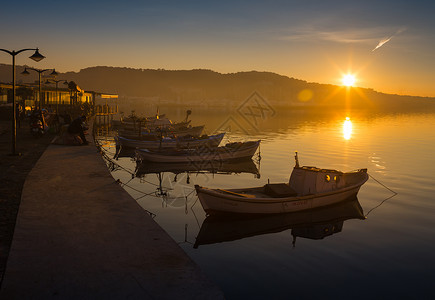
point(388, 45)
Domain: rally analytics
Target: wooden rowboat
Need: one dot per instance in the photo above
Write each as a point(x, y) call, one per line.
point(308, 188)
point(171, 143)
point(230, 151)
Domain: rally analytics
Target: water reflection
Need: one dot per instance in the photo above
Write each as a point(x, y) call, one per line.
point(347, 129)
point(179, 184)
point(314, 224)
point(204, 167)
point(379, 163)
point(401, 232)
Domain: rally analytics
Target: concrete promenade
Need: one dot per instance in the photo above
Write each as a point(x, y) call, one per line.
point(79, 235)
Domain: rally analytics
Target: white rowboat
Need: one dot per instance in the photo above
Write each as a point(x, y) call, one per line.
point(171, 143)
point(308, 188)
point(230, 151)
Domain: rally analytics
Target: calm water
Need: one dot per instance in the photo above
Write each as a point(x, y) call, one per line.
point(390, 254)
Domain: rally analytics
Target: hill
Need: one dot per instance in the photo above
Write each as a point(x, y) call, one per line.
point(207, 87)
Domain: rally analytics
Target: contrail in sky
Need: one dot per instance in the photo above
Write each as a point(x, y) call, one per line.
point(381, 43)
point(384, 41)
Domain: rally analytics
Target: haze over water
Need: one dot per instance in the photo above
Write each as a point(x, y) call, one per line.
point(387, 255)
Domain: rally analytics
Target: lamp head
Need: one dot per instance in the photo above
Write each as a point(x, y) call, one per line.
point(37, 56)
point(25, 72)
point(54, 73)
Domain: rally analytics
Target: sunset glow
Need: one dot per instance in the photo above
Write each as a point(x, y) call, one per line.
point(348, 80)
point(287, 38)
point(347, 129)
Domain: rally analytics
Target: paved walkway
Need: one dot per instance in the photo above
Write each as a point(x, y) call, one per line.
point(79, 235)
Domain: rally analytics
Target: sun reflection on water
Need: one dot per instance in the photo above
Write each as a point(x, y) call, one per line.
point(347, 129)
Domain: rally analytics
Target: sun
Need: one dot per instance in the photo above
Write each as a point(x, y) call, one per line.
point(348, 80)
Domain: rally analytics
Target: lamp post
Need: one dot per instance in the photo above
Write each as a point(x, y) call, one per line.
point(40, 71)
point(57, 95)
point(36, 57)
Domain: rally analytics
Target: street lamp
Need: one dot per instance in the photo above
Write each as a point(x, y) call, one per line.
point(40, 71)
point(36, 57)
point(57, 96)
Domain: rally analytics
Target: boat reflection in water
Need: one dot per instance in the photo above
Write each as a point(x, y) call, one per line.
point(202, 167)
point(312, 224)
point(214, 167)
point(123, 152)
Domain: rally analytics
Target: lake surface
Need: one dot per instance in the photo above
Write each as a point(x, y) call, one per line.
point(329, 253)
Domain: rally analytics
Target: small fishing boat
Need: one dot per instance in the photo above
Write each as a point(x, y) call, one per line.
point(153, 125)
point(312, 224)
point(308, 188)
point(133, 120)
point(142, 133)
point(171, 143)
point(230, 151)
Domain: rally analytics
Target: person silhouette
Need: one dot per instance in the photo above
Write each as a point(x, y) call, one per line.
point(76, 127)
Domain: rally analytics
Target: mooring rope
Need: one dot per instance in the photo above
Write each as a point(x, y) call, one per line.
point(113, 164)
point(379, 204)
point(383, 185)
point(383, 201)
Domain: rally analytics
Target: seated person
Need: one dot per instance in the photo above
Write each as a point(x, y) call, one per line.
point(76, 127)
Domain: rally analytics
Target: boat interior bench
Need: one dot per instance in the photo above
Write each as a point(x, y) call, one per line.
point(279, 190)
